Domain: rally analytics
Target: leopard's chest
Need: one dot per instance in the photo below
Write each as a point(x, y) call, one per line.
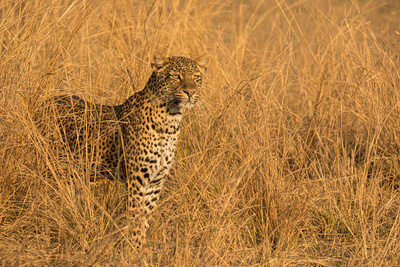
point(160, 148)
point(165, 149)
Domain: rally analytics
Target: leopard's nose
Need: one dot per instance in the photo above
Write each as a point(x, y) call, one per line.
point(189, 92)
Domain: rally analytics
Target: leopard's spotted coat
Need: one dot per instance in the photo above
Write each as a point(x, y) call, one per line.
point(135, 142)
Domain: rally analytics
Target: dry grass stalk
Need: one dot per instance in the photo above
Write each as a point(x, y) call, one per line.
point(291, 159)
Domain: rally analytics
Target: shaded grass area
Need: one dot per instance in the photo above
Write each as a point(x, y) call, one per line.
point(290, 159)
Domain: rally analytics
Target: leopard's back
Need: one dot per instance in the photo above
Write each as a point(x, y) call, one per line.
point(91, 132)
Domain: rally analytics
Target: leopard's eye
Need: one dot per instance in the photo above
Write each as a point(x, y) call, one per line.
point(196, 77)
point(175, 76)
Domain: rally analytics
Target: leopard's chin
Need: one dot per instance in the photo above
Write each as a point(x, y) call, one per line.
point(189, 104)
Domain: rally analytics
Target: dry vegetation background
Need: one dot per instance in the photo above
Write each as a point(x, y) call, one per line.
point(290, 159)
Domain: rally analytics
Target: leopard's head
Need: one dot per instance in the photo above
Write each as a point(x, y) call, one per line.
point(178, 79)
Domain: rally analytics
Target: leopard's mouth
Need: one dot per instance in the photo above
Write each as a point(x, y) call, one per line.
point(182, 100)
point(189, 101)
point(176, 102)
point(192, 100)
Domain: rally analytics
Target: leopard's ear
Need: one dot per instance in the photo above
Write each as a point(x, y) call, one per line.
point(202, 62)
point(158, 61)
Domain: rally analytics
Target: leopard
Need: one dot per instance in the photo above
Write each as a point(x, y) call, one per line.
point(135, 142)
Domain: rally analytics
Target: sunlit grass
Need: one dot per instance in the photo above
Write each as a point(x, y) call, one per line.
point(290, 159)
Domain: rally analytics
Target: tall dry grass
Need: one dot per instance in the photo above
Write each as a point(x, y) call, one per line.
point(290, 159)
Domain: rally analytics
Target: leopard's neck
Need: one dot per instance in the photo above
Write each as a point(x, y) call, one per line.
point(155, 113)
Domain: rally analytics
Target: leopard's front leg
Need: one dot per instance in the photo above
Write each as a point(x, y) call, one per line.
point(144, 188)
point(135, 207)
point(153, 192)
